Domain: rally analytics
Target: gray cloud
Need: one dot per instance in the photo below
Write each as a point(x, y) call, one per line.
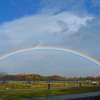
point(62, 23)
point(87, 37)
point(49, 63)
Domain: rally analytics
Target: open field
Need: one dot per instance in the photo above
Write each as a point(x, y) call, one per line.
point(26, 94)
point(34, 85)
point(22, 90)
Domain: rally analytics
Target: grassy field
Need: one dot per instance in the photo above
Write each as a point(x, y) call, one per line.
point(35, 85)
point(20, 90)
point(36, 93)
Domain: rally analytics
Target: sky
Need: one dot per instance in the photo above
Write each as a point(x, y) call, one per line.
point(72, 24)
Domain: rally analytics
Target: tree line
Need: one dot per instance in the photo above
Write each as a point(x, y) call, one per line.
point(32, 77)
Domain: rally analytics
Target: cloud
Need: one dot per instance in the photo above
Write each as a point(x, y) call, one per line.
point(39, 29)
point(89, 35)
point(56, 6)
point(60, 23)
point(49, 63)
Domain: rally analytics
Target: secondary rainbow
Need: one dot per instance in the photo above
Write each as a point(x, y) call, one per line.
point(77, 53)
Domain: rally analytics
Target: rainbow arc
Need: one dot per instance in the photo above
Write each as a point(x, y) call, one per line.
point(74, 52)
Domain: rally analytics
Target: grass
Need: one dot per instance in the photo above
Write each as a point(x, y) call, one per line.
point(26, 94)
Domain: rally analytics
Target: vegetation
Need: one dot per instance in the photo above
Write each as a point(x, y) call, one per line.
point(26, 94)
point(31, 77)
point(23, 86)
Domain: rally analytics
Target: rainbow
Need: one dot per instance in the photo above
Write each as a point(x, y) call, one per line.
point(85, 56)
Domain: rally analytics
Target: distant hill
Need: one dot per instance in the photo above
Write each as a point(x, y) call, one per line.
point(3, 73)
